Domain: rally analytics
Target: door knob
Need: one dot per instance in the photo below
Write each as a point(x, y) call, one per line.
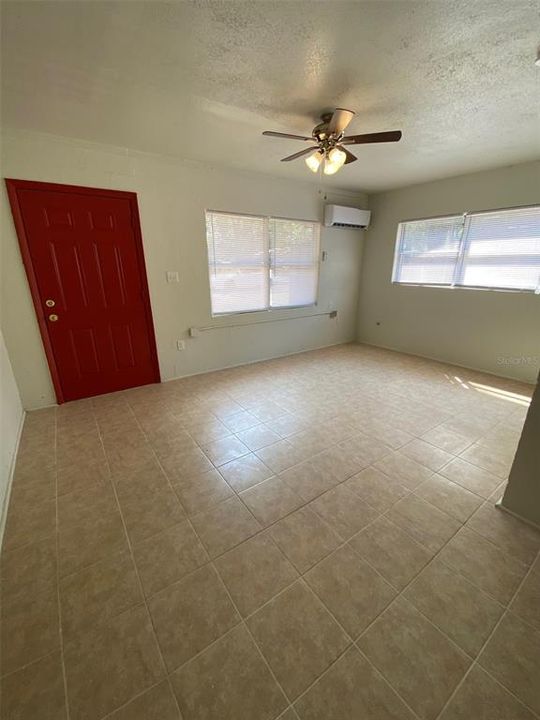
point(50, 303)
point(53, 317)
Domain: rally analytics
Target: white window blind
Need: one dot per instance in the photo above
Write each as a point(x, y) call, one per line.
point(428, 250)
point(238, 262)
point(258, 263)
point(496, 249)
point(294, 261)
point(502, 250)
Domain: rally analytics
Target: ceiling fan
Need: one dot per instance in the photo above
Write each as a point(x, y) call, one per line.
point(330, 140)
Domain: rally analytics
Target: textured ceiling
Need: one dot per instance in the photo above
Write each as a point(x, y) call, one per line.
point(201, 80)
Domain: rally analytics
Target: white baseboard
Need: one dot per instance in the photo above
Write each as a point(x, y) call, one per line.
point(447, 362)
point(5, 504)
point(500, 506)
point(259, 360)
point(41, 407)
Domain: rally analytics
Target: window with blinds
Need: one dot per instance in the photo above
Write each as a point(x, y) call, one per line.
point(498, 250)
point(260, 263)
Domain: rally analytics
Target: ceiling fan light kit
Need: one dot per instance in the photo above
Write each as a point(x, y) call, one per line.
point(314, 160)
point(329, 140)
point(334, 161)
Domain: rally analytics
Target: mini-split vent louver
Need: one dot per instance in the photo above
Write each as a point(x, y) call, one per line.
point(346, 217)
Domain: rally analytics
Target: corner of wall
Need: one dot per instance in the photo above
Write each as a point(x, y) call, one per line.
point(370, 203)
point(476, 329)
point(8, 484)
point(12, 420)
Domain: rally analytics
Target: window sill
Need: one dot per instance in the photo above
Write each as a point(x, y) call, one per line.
point(467, 287)
point(263, 313)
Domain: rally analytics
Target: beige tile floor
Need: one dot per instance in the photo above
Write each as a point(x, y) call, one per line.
point(312, 537)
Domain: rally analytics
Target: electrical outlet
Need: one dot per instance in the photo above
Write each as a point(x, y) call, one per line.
point(172, 276)
point(333, 314)
point(180, 345)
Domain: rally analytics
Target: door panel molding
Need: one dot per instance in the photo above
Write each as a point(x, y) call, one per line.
point(14, 186)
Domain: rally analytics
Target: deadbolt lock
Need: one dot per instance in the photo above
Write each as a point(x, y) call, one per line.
point(53, 317)
point(50, 303)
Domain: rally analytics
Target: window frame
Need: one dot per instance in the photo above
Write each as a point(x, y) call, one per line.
point(267, 265)
point(460, 261)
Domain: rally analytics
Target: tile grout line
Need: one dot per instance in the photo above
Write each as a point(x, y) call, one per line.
point(274, 476)
point(457, 484)
point(211, 560)
point(267, 528)
point(414, 578)
point(491, 634)
point(49, 653)
point(248, 630)
point(464, 525)
point(137, 696)
point(449, 567)
point(345, 542)
point(334, 444)
point(473, 583)
point(476, 467)
point(301, 577)
point(167, 673)
point(220, 579)
point(400, 594)
point(409, 491)
point(352, 644)
point(141, 588)
point(183, 664)
point(382, 515)
point(385, 679)
point(451, 431)
point(57, 538)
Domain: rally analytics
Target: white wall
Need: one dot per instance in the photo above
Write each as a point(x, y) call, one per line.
point(522, 494)
point(11, 416)
point(474, 328)
point(172, 198)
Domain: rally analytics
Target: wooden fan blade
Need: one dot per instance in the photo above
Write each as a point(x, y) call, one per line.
point(307, 151)
point(350, 157)
point(339, 121)
point(390, 136)
point(286, 135)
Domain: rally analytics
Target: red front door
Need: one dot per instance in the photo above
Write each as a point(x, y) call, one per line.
point(83, 254)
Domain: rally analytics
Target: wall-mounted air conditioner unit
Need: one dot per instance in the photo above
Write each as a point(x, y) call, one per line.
point(346, 217)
